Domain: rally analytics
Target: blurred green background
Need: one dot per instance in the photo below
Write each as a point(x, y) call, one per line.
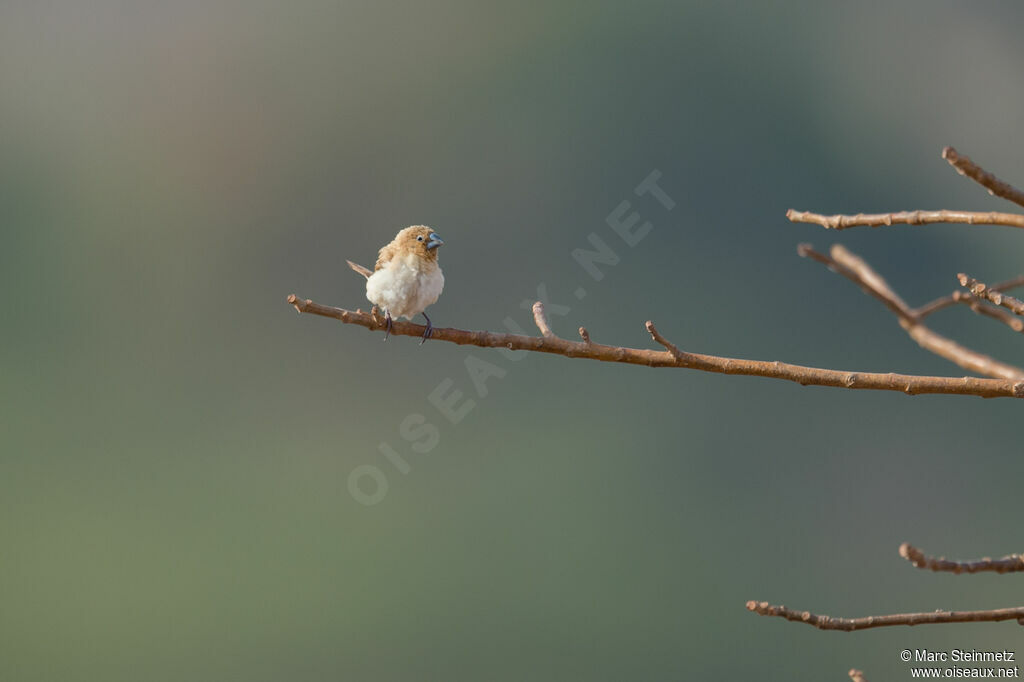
point(177, 442)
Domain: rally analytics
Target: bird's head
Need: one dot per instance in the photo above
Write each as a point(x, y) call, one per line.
point(420, 240)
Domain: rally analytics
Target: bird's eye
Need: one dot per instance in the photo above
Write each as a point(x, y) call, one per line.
point(420, 238)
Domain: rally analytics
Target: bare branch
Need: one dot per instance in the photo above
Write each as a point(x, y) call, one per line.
point(995, 186)
point(982, 308)
point(541, 319)
point(842, 222)
point(855, 269)
point(946, 301)
point(806, 376)
point(857, 675)
point(669, 346)
point(1012, 563)
point(823, 622)
point(982, 290)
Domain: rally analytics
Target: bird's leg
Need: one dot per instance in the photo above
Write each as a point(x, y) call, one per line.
point(428, 331)
point(387, 324)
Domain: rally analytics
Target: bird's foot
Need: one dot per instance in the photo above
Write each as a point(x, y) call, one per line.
point(387, 324)
point(428, 331)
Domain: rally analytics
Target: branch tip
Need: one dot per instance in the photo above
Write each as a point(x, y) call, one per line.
point(991, 294)
point(669, 346)
point(996, 187)
point(540, 318)
point(1013, 563)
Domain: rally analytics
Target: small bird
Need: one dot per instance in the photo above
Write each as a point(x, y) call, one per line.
point(406, 278)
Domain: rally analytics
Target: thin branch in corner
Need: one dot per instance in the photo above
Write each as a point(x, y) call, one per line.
point(842, 222)
point(856, 269)
point(995, 186)
point(857, 675)
point(964, 166)
point(805, 376)
point(823, 622)
point(981, 290)
point(1012, 563)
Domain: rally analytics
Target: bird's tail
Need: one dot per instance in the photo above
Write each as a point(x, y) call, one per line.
point(365, 272)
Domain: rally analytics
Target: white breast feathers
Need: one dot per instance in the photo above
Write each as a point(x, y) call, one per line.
point(405, 286)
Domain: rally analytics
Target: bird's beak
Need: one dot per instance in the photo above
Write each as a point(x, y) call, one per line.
point(435, 241)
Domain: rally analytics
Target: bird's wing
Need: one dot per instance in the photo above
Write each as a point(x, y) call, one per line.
point(385, 256)
point(365, 272)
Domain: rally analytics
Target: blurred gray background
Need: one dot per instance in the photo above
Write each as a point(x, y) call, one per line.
point(177, 442)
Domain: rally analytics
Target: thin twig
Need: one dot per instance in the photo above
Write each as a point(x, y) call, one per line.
point(947, 301)
point(1012, 563)
point(669, 346)
point(855, 269)
point(981, 290)
point(979, 306)
point(806, 376)
point(842, 222)
point(995, 186)
point(857, 675)
point(823, 622)
point(541, 319)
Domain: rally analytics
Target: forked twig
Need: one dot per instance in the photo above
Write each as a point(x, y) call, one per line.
point(855, 269)
point(992, 294)
point(981, 307)
point(956, 297)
